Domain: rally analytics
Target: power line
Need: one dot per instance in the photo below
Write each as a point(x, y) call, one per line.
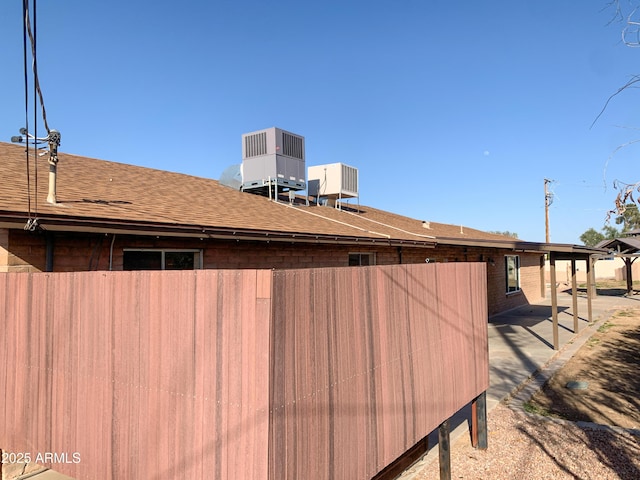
point(25, 10)
point(36, 81)
point(36, 89)
point(53, 137)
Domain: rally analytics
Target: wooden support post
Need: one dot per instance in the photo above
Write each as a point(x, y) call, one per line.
point(554, 301)
point(444, 449)
point(574, 294)
point(543, 281)
point(591, 268)
point(479, 421)
point(590, 288)
point(628, 263)
point(474, 423)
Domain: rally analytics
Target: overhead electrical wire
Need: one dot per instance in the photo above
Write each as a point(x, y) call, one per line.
point(25, 9)
point(36, 81)
point(36, 89)
point(37, 95)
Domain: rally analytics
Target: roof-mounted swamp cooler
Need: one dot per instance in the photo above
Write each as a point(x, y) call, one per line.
point(273, 162)
point(272, 159)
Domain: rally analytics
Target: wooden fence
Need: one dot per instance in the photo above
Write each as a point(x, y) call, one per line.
point(255, 374)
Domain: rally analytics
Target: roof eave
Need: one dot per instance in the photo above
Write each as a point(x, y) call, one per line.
point(519, 245)
point(118, 227)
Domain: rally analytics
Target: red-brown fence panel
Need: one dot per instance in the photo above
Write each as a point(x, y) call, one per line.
point(253, 374)
point(367, 361)
point(137, 374)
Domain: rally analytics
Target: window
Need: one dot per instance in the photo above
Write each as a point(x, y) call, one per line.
point(154, 259)
point(362, 259)
point(512, 273)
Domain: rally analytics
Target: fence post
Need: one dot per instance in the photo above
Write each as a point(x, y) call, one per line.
point(479, 421)
point(444, 449)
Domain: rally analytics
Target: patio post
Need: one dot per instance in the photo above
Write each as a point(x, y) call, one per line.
point(554, 300)
point(574, 294)
point(590, 287)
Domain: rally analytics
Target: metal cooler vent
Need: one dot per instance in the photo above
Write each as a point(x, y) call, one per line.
point(292, 146)
point(349, 180)
point(255, 145)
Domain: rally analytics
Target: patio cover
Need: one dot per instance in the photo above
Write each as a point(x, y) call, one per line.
point(627, 248)
point(571, 253)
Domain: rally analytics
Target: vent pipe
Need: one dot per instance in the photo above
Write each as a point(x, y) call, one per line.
point(54, 143)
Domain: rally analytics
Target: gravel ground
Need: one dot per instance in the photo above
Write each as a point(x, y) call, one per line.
point(524, 446)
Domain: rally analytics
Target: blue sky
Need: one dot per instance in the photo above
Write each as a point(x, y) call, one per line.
point(453, 112)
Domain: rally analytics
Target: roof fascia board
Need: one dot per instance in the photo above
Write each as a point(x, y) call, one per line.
point(529, 247)
point(508, 245)
point(182, 231)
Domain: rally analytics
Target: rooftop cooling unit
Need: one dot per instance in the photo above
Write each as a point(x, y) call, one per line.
point(273, 157)
point(334, 181)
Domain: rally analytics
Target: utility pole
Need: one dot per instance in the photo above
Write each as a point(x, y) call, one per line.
point(53, 139)
point(548, 200)
point(54, 142)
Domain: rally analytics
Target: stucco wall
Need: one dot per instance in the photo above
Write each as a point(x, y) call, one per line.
point(604, 270)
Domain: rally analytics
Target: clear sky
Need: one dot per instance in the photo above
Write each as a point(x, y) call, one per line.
point(452, 112)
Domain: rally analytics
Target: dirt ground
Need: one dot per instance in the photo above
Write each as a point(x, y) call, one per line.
point(609, 363)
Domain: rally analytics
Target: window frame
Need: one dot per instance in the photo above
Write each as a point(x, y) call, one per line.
point(197, 259)
point(508, 289)
point(370, 255)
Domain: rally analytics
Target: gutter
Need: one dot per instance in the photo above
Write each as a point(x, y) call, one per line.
point(192, 231)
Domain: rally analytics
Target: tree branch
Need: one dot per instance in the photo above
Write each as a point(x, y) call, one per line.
point(634, 79)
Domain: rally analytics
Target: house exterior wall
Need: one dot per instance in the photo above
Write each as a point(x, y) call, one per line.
point(530, 288)
point(26, 252)
point(4, 250)
point(21, 251)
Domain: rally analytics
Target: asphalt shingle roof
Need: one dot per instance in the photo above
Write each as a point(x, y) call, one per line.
point(105, 191)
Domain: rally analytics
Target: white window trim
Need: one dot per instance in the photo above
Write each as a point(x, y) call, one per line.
point(518, 287)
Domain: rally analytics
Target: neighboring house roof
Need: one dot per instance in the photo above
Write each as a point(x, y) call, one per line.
point(621, 245)
point(103, 196)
